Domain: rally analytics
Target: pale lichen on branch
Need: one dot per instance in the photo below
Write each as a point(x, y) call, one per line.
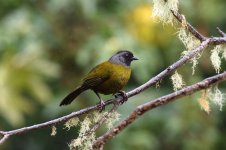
point(216, 96)
point(177, 80)
point(162, 10)
point(88, 127)
point(203, 102)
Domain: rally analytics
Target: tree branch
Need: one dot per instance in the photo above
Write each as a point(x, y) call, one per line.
point(140, 110)
point(7, 134)
point(190, 28)
point(103, 119)
point(177, 64)
point(205, 42)
point(4, 138)
point(221, 32)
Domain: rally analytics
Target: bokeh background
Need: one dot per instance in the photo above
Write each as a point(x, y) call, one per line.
point(46, 47)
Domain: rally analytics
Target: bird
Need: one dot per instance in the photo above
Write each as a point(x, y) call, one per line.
point(108, 77)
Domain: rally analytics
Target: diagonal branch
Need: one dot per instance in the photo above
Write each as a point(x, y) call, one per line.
point(4, 138)
point(221, 32)
point(205, 42)
point(7, 134)
point(177, 64)
point(102, 120)
point(190, 28)
point(140, 110)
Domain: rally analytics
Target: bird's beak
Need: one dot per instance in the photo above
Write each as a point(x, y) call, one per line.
point(135, 58)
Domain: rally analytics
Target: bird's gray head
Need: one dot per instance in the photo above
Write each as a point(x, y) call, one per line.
point(123, 57)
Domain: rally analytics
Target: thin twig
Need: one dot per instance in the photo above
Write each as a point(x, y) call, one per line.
point(158, 102)
point(3, 139)
point(103, 119)
point(221, 32)
point(193, 31)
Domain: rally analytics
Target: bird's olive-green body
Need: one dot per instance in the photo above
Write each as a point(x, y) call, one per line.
point(116, 77)
point(106, 78)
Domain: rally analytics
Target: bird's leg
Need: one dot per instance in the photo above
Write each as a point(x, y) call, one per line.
point(101, 104)
point(124, 96)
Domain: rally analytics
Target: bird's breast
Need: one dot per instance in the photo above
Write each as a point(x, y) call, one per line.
point(119, 76)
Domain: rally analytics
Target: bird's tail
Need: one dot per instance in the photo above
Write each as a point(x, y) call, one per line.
point(70, 97)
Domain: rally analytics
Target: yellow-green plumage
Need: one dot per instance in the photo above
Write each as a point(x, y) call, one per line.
point(115, 77)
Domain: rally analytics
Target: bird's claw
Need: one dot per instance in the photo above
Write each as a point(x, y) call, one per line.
point(101, 105)
point(123, 95)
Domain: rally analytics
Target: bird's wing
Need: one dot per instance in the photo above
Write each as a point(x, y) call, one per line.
point(96, 76)
point(92, 82)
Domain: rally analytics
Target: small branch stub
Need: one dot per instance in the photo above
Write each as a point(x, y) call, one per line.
point(221, 32)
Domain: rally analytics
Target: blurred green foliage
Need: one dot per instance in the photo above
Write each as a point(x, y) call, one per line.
point(46, 47)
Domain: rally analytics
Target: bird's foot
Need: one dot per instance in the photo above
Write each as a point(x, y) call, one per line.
point(101, 105)
point(123, 95)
